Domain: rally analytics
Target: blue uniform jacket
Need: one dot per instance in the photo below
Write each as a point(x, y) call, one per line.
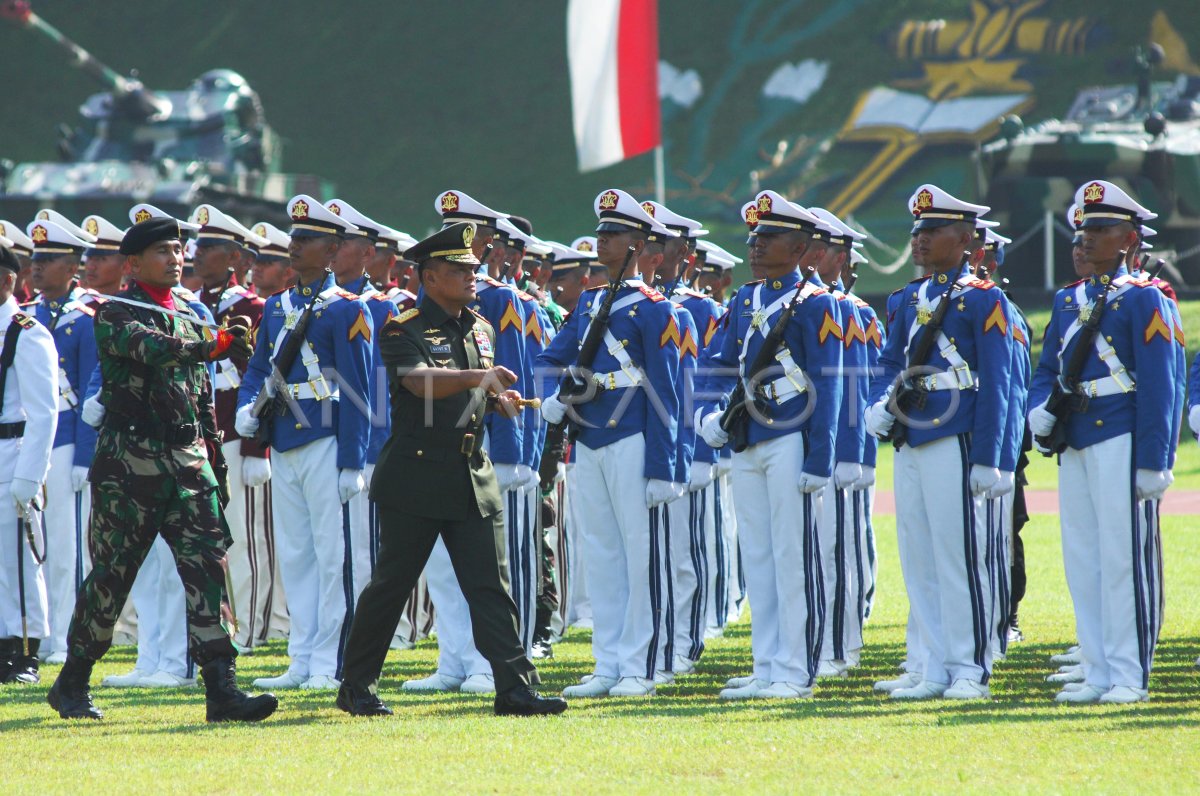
point(382, 309)
point(814, 338)
point(646, 324)
point(852, 431)
point(1018, 399)
point(500, 306)
point(706, 313)
point(539, 331)
point(978, 325)
point(341, 335)
point(873, 333)
point(1138, 324)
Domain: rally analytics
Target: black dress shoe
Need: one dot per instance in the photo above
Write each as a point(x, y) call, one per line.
point(542, 650)
point(24, 670)
point(9, 649)
point(522, 700)
point(224, 701)
point(70, 694)
point(359, 701)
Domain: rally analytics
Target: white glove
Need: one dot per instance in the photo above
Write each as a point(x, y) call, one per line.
point(866, 479)
point(508, 476)
point(809, 483)
point(845, 474)
point(255, 471)
point(560, 472)
point(1151, 484)
point(659, 492)
point(350, 483)
point(245, 423)
point(702, 476)
point(553, 410)
point(711, 431)
point(24, 491)
point(92, 411)
point(1037, 446)
point(79, 478)
point(724, 466)
point(983, 478)
point(1041, 422)
point(878, 419)
point(527, 477)
point(1006, 484)
point(1194, 419)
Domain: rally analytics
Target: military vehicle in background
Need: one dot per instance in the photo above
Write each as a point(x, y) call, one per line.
point(1144, 137)
point(173, 149)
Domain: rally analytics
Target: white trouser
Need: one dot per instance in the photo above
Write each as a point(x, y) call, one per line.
point(780, 552)
point(522, 527)
point(623, 551)
point(1113, 560)
point(318, 560)
point(67, 558)
point(942, 532)
point(735, 580)
point(578, 601)
point(560, 545)
point(862, 501)
point(457, 656)
point(280, 621)
point(999, 565)
point(157, 596)
point(683, 520)
point(16, 571)
point(840, 571)
point(364, 530)
point(716, 602)
point(252, 554)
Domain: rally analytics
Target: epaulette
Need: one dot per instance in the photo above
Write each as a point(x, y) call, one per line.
point(982, 284)
point(406, 316)
point(377, 297)
point(346, 294)
point(590, 289)
point(87, 310)
point(489, 281)
point(1075, 283)
point(478, 317)
point(754, 282)
point(1142, 282)
point(687, 291)
point(859, 302)
point(25, 321)
point(184, 293)
point(651, 293)
point(521, 294)
point(31, 303)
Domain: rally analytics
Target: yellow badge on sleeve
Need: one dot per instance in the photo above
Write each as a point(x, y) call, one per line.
point(1156, 327)
point(688, 345)
point(996, 320)
point(360, 327)
point(511, 318)
point(670, 334)
point(829, 328)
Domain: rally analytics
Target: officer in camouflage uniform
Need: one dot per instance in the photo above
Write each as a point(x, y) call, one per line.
point(151, 475)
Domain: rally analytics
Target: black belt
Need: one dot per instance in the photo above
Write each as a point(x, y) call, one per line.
point(171, 435)
point(12, 430)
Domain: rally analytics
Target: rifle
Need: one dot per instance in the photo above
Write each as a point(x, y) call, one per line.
point(271, 401)
point(850, 280)
point(735, 420)
point(576, 386)
point(910, 394)
point(1065, 399)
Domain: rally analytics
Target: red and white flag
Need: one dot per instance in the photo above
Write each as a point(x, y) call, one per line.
point(612, 49)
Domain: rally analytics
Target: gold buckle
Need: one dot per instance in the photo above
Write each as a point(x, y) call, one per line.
point(468, 445)
point(312, 383)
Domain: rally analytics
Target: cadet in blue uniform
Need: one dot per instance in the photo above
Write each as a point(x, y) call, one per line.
point(778, 478)
point(318, 446)
point(66, 310)
point(632, 419)
point(1116, 465)
point(953, 441)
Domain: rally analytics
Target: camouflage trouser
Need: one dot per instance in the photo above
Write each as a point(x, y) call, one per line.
point(123, 527)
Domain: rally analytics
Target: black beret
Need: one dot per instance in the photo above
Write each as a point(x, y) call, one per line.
point(141, 236)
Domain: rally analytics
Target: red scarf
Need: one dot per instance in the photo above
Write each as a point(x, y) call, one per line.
point(162, 296)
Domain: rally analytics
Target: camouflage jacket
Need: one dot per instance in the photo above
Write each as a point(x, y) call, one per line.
point(158, 401)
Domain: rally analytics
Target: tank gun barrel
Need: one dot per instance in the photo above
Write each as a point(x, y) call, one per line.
point(128, 94)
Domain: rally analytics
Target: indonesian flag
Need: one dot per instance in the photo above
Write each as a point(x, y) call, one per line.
point(612, 49)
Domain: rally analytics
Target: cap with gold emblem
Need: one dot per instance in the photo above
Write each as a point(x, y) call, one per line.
point(716, 259)
point(836, 232)
point(620, 212)
point(1105, 204)
point(189, 252)
point(20, 243)
point(684, 226)
point(219, 227)
point(310, 218)
point(776, 215)
point(451, 243)
point(857, 258)
point(932, 207)
point(51, 240)
point(107, 235)
point(750, 215)
point(276, 240)
point(144, 212)
point(584, 243)
point(394, 240)
point(47, 214)
point(564, 259)
point(516, 238)
point(363, 227)
point(456, 206)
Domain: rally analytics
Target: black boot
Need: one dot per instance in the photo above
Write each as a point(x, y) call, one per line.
point(8, 650)
point(522, 700)
point(359, 701)
point(225, 701)
point(24, 667)
point(542, 648)
point(70, 694)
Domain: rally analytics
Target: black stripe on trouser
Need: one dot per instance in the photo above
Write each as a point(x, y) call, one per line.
point(252, 556)
point(839, 579)
point(1153, 586)
point(1004, 569)
point(979, 625)
point(655, 598)
point(528, 534)
point(1145, 649)
point(866, 509)
point(269, 536)
point(514, 558)
point(347, 586)
point(721, 598)
point(860, 596)
point(989, 560)
point(697, 517)
point(814, 591)
point(669, 580)
point(564, 556)
point(78, 542)
point(1158, 569)
point(21, 568)
point(373, 532)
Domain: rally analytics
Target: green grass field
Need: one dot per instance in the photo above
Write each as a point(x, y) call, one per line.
point(685, 740)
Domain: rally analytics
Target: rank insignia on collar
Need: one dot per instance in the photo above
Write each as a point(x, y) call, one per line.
point(776, 285)
point(941, 279)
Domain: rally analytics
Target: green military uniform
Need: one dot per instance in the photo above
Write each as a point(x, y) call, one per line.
point(433, 478)
point(151, 475)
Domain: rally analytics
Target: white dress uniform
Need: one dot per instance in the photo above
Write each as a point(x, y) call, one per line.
point(28, 420)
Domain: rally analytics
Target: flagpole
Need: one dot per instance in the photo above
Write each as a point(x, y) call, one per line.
point(660, 176)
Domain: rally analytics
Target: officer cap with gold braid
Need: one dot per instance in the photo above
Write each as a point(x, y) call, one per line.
point(836, 232)
point(277, 241)
point(620, 212)
point(47, 214)
point(1105, 204)
point(311, 219)
point(144, 212)
point(363, 226)
point(19, 242)
point(108, 235)
point(219, 227)
point(451, 243)
point(51, 240)
point(455, 206)
point(777, 215)
point(932, 207)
